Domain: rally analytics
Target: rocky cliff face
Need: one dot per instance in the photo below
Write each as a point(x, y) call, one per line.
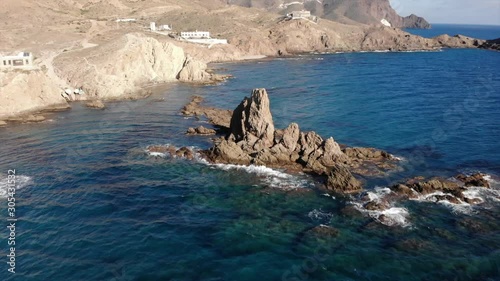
point(370, 12)
point(119, 68)
point(27, 91)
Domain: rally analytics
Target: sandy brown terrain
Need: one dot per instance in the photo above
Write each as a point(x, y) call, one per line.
point(78, 43)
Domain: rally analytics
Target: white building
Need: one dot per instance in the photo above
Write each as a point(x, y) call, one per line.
point(126, 20)
point(195, 35)
point(163, 27)
point(22, 60)
point(295, 15)
point(385, 22)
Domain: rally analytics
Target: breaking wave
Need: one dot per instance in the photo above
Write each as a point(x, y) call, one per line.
point(391, 216)
point(20, 182)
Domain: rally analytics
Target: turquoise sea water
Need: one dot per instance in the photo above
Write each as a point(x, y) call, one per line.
point(93, 206)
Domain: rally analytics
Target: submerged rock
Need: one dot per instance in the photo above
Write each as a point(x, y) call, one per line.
point(200, 130)
point(218, 117)
point(324, 231)
point(97, 104)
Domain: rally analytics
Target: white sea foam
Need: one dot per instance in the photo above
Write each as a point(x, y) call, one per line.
point(319, 215)
point(393, 216)
point(378, 193)
point(21, 181)
point(398, 158)
point(272, 177)
point(156, 154)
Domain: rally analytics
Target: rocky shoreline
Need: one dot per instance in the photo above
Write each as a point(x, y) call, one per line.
point(119, 69)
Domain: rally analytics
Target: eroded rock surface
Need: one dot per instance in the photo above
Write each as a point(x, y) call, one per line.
point(200, 130)
point(438, 189)
point(218, 117)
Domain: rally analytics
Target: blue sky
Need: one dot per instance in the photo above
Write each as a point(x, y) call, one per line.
point(451, 11)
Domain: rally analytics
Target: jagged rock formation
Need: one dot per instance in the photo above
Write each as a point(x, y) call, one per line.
point(491, 45)
point(458, 41)
point(345, 11)
point(438, 189)
point(252, 139)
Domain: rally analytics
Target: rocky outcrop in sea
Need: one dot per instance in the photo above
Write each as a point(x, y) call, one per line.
point(252, 139)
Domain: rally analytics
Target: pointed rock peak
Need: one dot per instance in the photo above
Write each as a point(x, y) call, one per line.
point(252, 120)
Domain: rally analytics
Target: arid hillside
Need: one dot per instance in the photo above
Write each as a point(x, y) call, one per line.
point(106, 47)
point(370, 12)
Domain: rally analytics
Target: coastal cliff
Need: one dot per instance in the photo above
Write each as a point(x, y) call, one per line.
point(85, 48)
point(120, 68)
point(24, 91)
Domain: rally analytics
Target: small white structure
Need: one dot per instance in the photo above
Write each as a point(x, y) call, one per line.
point(22, 60)
point(295, 15)
point(153, 27)
point(201, 37)
point(195, 35)
point(125, 20)
point(385, 22)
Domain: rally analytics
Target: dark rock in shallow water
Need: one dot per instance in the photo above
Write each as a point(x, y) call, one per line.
point(438, 189)
point(340, 179)
point(215, 116)
point(324, 230)
point(412, 244)
point(200, 130)
point(474, 180)
point(172, 151)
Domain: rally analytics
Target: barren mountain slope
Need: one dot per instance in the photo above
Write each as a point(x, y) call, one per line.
point(346, 11)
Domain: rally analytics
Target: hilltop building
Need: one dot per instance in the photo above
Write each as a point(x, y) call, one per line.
point(201, 37)
point(195, 35)
point(163, 27)
point(22, 60)
point(295, 15)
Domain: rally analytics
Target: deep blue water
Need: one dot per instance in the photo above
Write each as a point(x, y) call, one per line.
point(485, 32)
point(96, 207)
